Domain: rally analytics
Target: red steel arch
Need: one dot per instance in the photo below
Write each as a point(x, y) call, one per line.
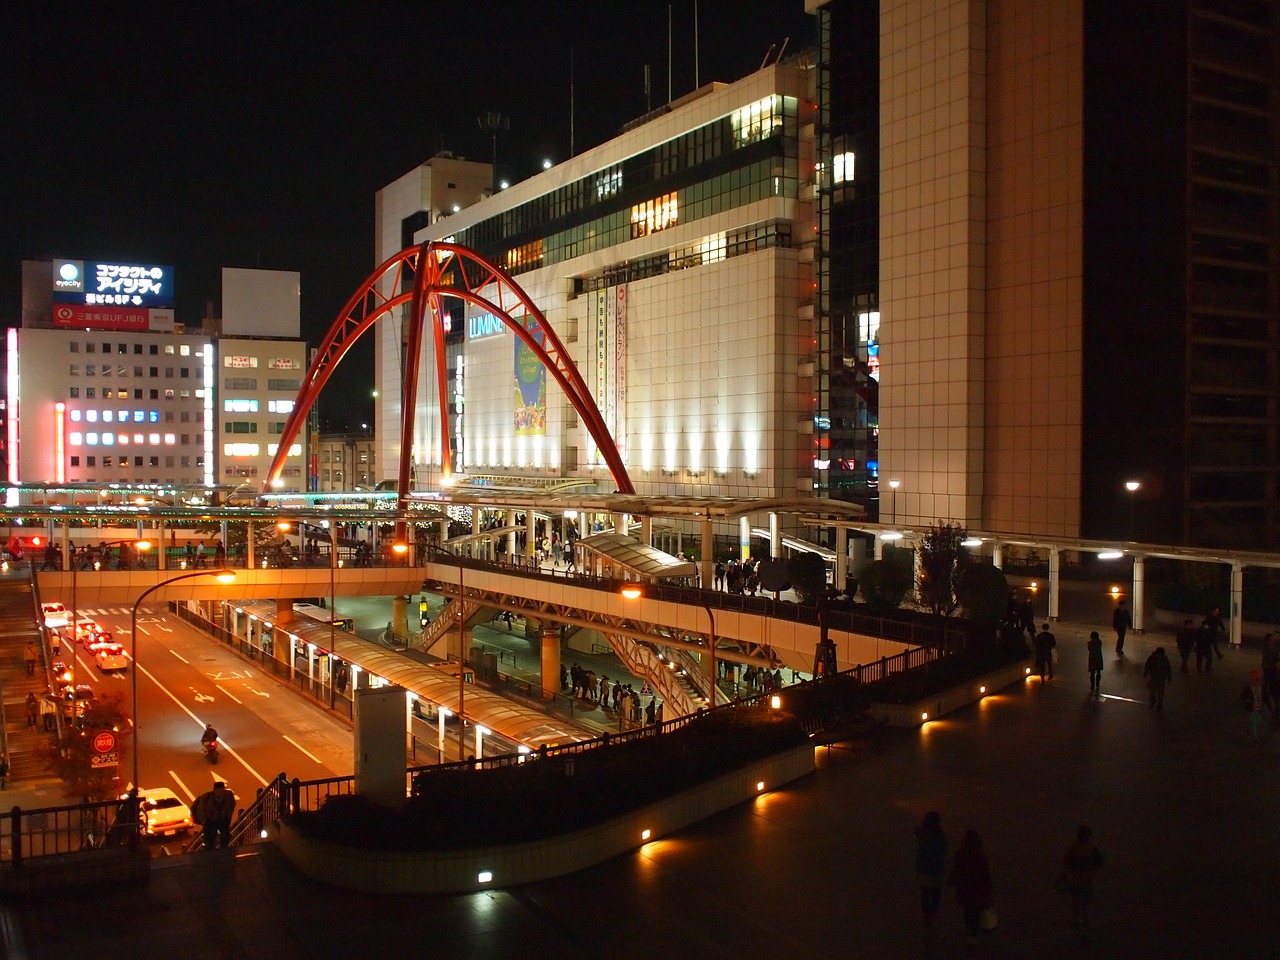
point(428, 272)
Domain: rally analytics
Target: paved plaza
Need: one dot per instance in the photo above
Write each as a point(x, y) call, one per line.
point(1182, 805)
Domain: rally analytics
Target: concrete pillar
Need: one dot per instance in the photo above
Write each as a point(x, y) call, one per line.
point(744, 538)
point(550, 659)
point(333, 547)
point(775, 537)
point(1139, 587)
point(646, 531)
point(477, 520)
point(400, 616)
point(997, 555)
point(706, 562)
point(878, 548)
point(1053, 584)
point(511, 537)
point(248, 545)
point(530, 535)
point(162, 558)
point(64, 539)
point(1237, 608)
point(293, 657)
point(842, 558)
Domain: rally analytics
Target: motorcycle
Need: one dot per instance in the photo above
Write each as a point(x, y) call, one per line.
point(211, 751)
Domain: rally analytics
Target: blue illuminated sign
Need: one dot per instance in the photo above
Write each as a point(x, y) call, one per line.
point(99, 283)
point(484, 325)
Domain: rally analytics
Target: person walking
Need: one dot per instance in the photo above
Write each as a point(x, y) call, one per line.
point(29, 658)
point(1044, 644)
point(1186, 643)
point(1216, 629)
point(1204, 648)
point(1094, 646)
point(1121, 621)
point(1158, 672)
point(48, 714)
point(971, 876)
point(1255, 705)
point(4, 770)
point(55, 644)
point(33, 709)
point(213, 811)
point(931, 866)
point(1080, 864)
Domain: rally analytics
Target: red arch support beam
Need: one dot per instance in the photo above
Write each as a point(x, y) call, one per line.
point(419, 276)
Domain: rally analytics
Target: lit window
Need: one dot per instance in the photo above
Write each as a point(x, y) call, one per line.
point(75, 439)
point(842, 167)
point(277, 406)
point(170, 439)
point(139, 438)
point(75, 416)
point(153, 416)
point(108, 416)
point(108, 439)
point(139, 416)
point(241, 449)
point(154, 439)
point(122, 439)
point(91, 416)
point(184, 350)
point(91, 439)
point(294, 451)
point(242, 406)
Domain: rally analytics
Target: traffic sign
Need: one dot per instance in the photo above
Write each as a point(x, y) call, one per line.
point(104, 742)
point(98, 761)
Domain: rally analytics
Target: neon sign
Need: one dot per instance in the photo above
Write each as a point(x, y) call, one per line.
point(108, 284)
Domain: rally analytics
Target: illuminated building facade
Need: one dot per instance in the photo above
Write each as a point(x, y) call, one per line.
point(675, 262)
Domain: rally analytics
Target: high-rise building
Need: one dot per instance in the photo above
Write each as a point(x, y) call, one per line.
point(1077, 251)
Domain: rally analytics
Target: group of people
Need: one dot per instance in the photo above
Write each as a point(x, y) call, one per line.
point(583, 684)
point(969, 874)
point(742, 577)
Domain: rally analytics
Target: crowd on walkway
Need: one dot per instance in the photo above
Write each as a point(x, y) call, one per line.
point(622, 699)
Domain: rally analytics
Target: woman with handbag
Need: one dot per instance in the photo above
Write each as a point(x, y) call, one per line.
point(971, 876)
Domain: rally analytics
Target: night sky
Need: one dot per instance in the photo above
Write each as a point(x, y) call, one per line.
point(255, 134)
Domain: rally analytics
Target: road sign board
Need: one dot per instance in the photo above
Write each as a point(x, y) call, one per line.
point(99, 760)
point(104, 741)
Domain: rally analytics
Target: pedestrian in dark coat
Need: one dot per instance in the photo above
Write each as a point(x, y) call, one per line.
point(1043, 645)
point(1079, 865)
point(1204, 648)
point(1094, 646)
point(931, 866)
point(971, 876)
point(1186, 643)
point(1121, 621)
point(1158, 672)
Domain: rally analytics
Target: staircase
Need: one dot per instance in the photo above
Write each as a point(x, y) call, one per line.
point(447, 619)
point(678, 697)
point(20, 623)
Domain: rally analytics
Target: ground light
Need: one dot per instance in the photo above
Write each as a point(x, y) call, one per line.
point(645, 834)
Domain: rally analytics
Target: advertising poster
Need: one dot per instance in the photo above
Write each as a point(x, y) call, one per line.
point(531, 386)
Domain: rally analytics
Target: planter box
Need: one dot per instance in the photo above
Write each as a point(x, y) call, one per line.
point(461, 871)
point(940, 704)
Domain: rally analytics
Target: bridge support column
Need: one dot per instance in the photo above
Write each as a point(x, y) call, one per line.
point(550, 659)
point(400, 616)
point(646, 531)
point(1139, 594)
point(1237, 610)
point(64, 540)
point(1053, 584)
point(248, 545)
point(706, 563)
point(530, 536)
point(512, 541)
point(842, 558)
point(775, 538)
point(997, 555)
point(744, 538)
point(162, 555)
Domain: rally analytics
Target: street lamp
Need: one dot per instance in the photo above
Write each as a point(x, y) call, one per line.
point(283, 526)
point(893, 500)
point(1132, 486)
point(635, 592)
point(224, 576)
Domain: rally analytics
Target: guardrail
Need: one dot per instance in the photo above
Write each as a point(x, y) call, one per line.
point(47, 831)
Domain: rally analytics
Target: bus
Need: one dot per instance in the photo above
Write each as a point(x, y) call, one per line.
point(324, 616)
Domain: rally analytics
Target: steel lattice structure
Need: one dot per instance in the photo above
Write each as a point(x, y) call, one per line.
point(419, 276)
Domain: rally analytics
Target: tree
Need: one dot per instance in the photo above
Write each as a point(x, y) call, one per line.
point(808, 575)
point(983, 593)
point(885, 584)
point(942, 562)
point(70, 757)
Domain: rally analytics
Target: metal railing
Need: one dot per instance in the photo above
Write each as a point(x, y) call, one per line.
point(49, 831)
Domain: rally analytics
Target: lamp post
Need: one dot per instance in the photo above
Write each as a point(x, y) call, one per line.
point(1132, 486)
point(893, 501)
point(636, 592)
point(224, 576)
point(284, 526)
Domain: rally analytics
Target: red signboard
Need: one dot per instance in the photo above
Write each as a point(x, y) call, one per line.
point(101, 318)
point(104, 741)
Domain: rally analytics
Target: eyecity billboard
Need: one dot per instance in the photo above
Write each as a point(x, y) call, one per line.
point(100, 283)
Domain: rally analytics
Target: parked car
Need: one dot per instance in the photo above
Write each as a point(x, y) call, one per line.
point(163, 812)
point(111, 657)
point(55, 615)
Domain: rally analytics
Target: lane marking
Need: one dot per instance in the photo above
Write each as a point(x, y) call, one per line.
point(231, 695)
point(182, 786)
point(80, 661)
point(181, 657)
point(183, 707)
point(304, 750)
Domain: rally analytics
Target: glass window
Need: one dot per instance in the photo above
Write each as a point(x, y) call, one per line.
point(153, 349)
point(137, 349)
point(75, 346)
point(90, 393)
point(73, 392)
point(185, 350)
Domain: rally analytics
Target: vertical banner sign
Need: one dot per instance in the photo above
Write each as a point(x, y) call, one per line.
point(601, 354)
point(610, 407)
point(531, 385)
point(619, 424)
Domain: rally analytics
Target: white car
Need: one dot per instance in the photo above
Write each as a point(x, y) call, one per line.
point(111, 657)
point(163, 812)
point(55, 615)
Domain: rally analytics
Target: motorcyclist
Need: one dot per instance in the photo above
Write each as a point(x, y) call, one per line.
point(209, 738)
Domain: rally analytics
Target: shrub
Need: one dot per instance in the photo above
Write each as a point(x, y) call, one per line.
point(884, 584)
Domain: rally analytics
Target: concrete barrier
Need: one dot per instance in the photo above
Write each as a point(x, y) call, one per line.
point(940, 704)
point(480, 868)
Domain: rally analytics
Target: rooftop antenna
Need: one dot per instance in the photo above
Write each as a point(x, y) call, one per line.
point(571, 101)
point(668, 53)
point(696, 75)
point(768, 53)
point(491, 123)
point(647, 104)
point(785, 41)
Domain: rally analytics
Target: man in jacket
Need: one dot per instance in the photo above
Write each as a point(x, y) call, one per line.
point(1158, 672)
point(213, 811)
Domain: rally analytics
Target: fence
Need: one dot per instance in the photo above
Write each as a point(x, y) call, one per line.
point(28, 834)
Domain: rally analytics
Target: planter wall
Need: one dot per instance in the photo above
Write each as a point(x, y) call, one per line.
point(459, 871)
point(939, 705)
point(97, 869)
